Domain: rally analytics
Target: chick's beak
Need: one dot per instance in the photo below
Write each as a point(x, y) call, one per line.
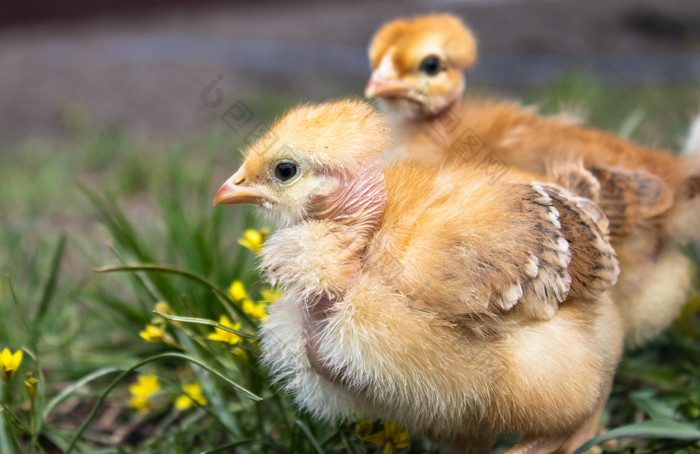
point(379, 87)
point(235, 190)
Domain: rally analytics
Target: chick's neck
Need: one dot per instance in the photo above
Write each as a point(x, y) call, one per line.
point(324, 253)
point(419, 137)
point(357, 204)
point(352, 215)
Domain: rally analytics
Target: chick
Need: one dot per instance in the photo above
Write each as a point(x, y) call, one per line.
point(429, 79)
point(458, 306)
point(647, 194)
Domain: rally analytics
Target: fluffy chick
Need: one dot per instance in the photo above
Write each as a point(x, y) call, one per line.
point(428, 79)
point(459, 306)
point(649, 195)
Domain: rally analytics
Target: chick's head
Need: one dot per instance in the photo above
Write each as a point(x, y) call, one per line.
point(418, 64)
point(306, 159)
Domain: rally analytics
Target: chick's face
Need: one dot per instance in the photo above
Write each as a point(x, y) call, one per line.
point(301, 161)
point(422, 85)
point(418, 64)
point(281, 183)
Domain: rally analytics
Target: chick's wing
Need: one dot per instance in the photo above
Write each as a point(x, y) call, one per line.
point(467, 247)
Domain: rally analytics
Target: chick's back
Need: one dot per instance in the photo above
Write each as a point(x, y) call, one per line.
point(456, 323)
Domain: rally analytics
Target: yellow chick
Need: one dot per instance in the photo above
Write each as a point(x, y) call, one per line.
point(430, 78)
point(455, 305)
point(648, 195)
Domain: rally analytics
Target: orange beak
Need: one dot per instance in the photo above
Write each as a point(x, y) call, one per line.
point(378, 87)
point(235, 190)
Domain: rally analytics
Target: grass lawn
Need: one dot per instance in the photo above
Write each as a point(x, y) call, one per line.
point(100, 228)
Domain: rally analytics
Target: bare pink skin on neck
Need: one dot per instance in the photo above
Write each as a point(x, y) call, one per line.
point(358, 202)
point(315, 320)
point(356, 210)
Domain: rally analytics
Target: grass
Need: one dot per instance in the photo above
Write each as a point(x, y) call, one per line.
point(148, 227)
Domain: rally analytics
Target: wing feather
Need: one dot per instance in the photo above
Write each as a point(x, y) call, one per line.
point(511, 249)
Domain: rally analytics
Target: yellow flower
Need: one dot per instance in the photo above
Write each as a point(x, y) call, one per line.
point(145, 386)
point(391, 437)
point(162, 308)
point(270, 295)
point(142, 404)
point(256, 311)
point(9, 363)
point(237, 291)
point(254, 239)
point(192, 396)
point(30, 385)
point(223, 335)
point(239, 353)
point(153, 334)
point(141, 392)
point(364, 429)
point(395, 437)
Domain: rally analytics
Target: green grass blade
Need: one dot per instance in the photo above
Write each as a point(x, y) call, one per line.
point(232, 446)
point(123, 375)
point(204, 321)
point(63, 395)
point(126, 237)
point(163, 269)
point(55, 436)
point(20, 312)
point(117, 224)
point(50, 286)
point(647, 429)
point(179, 230)
point(188, 275)
point(654, 407)
point(4, 437)
point(349, 446)
point(123, 309)
point(304, 428)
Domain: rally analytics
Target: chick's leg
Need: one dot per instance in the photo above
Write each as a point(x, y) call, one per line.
point(588, 430)
point(542, 444)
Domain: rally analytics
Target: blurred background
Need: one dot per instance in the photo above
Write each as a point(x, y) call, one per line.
point(140, 65)
point(97, 92)
point(117, 124)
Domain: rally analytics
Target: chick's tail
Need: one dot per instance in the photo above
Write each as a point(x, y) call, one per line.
point(691, 162)
point(692, 143)
point(684, 220)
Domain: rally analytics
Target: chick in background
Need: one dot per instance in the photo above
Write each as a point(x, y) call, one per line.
point(650, 196)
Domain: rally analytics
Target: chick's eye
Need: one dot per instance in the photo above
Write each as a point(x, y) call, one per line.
point(431, 65)
point(285, 171)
